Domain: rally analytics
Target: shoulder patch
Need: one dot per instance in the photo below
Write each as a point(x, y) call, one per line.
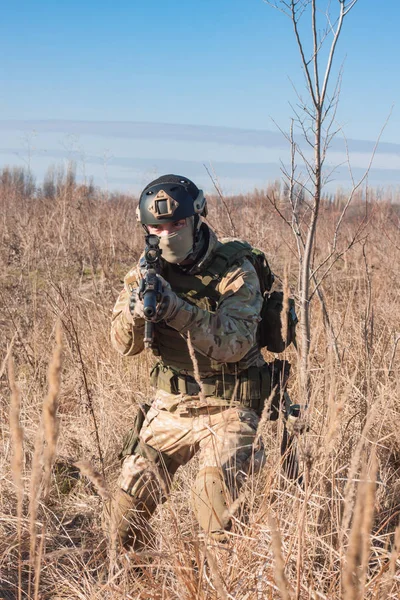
point(233, 286)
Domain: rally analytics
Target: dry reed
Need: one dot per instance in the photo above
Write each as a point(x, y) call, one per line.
point(87, 469)
point(279, 571)
point(357, 556)
point(34, 497)
point(17, 437)
point(50, 406)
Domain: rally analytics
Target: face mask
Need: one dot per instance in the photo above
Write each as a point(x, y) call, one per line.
point(178, 245)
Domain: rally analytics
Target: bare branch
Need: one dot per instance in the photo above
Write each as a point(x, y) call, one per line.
point(301, 50)
point(349, 7)
point(316, 50)
point(217, 187)
point(275, 5)
point(339, 255)
point(332, 52)
point(274, 204)
point(357, 185)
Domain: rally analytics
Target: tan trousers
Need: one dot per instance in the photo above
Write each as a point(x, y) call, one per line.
point(179, 427)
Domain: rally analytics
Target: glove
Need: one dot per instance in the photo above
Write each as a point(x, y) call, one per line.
point(295, 423)
point(167, 307)
point(169, 304)
point(136, 305)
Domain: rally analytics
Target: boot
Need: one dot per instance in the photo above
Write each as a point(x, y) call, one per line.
point(127, 518)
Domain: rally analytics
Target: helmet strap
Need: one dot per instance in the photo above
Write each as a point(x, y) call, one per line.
point(196, 229)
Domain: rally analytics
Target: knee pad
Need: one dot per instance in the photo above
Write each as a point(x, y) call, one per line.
point(137, 475)
point(211, 500)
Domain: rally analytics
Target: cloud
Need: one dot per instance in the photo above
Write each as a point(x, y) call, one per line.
point(185, 133)
point(123, 171)
point(129, 154)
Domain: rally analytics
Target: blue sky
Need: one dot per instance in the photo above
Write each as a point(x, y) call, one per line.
point(208, 63)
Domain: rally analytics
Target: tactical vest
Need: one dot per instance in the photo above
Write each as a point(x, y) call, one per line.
point(200, 290)
point(240, 382)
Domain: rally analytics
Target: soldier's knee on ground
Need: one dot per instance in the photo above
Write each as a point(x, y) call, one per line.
point(140, 488)
point(211, 500)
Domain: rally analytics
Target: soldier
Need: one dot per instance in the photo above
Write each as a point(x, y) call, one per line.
point(209, 307)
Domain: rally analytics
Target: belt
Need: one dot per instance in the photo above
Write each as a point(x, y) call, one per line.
point(252, 383)
point(174, 383)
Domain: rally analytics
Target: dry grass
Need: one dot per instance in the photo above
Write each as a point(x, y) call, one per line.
point(62, 258)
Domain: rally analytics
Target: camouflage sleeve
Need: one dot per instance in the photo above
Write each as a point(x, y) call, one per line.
point(227, 334)
point(127, 333)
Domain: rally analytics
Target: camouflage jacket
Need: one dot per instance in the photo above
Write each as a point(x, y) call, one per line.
point(225, 336)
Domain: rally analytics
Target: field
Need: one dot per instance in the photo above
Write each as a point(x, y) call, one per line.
point(64, 251)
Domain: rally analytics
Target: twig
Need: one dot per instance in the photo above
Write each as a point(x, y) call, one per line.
point(221, 196)
point(392, 357)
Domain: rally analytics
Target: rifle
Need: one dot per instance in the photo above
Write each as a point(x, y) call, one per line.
point(292, 415)
point(150, 290)
point(281, 402)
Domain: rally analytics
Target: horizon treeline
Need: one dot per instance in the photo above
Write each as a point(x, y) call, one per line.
point(60, 177)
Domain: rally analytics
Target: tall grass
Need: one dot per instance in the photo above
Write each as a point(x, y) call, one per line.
point(63, 255)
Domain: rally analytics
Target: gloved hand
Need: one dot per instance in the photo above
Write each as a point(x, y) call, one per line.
point(136, 305)
point(169, 303)
point(295, 423)
point(167, 307)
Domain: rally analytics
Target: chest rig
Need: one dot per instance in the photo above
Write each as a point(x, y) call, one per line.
point(240, 381)
point(198, 289)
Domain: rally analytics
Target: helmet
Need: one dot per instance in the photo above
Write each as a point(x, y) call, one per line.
point(170, 198)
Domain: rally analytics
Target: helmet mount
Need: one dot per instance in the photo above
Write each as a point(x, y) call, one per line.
point(163, 205)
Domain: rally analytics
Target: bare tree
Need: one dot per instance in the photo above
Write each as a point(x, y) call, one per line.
point(314, 116)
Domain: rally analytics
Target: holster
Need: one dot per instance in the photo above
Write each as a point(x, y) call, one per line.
point(131, 438)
